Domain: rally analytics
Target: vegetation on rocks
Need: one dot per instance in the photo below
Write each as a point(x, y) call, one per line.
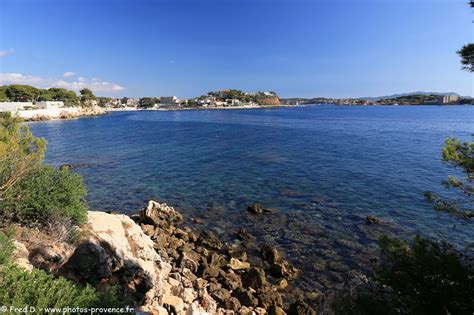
point(40, 290)
point(45, 194)
point(48, 291)
point(429, 278)
point(29, 190)
point(27, 93)
point(459, 155)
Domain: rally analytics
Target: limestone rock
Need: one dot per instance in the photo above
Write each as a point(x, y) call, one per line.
point(284, 269)
point(236, 264)
point(301, 308)
point(372, 220)
point(173, 304)
point(270, 254)
point(116, 251)
point(20, 256)
point(161, 215)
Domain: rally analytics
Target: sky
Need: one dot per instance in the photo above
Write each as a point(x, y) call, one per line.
point(298, 48)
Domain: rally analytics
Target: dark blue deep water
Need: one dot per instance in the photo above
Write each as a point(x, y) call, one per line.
point(322, 168)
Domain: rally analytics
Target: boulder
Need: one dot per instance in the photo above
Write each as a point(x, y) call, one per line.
point(116, 251)
point(237, 253)
point(188, 260)
point(275, 310)
point(270, 254)
point(230, 280)
point(232, 304)
point(172, 304)
point(209, 239)
point(236, 264)
point(245, 297)
point(207, 271)
point(254, 278)
point(300, 308)
point(372, 220)
point(255, 208)
point(245, 236)
point(267, 298)
point(20, 256)
point(49, 257)
point(284, 269)
point(221, 295)
point(161, 215)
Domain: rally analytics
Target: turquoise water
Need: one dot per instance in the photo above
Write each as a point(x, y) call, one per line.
point(322, 168)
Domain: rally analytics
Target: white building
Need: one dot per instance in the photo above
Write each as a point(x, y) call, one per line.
point(132, 101)
point(446, 99)
point(232, 101)
point(49, 104)
point(14, 106)
point(169, 100)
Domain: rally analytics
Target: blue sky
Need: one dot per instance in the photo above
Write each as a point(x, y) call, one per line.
point(299, 48)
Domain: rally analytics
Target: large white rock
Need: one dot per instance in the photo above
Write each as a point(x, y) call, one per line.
point(131, 245)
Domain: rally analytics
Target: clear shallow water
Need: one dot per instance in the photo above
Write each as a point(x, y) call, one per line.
point(322, 168)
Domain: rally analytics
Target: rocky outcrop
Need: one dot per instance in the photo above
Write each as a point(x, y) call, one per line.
point(269, 100)
point(20, 256)
point(60, 113)
point(257, 208)
point(166, 268)
point(221, 274)
point(116, 251)
point(160, 215)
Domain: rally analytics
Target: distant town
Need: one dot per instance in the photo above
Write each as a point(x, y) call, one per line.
point(34, 103)
point(416, 98)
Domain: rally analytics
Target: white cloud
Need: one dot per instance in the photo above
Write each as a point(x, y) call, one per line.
point(18, 78)
point(6, 52)
point(95, 84)
point(68, 74)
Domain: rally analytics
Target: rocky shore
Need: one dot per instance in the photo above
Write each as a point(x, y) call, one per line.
point(60, 113)
point(166, 267)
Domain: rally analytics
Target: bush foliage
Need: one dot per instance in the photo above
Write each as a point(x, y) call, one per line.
point(458, 155)
point(41, 290)
point(428, 277)
point(19, 152)
point(20, 288)
point(6, 248)
point(47, 193)
point(29, 190)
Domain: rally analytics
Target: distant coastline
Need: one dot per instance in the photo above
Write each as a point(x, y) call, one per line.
point(36, 104)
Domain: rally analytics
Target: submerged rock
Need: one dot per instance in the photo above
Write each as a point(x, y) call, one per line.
point(284, 269)
point(257, 208)
point(270, 254)
point(245, 235)
point(301, 308)
point(373, 220)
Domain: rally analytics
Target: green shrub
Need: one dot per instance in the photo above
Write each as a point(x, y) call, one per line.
point(429, 278)
point(38, 289)
point(6, 248)
point(47, 194)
